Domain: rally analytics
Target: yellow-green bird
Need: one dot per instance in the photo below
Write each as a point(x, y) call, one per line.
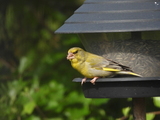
point(94, 66)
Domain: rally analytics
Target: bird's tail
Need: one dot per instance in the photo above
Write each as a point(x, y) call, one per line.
point(128, 73)
point(121, 72)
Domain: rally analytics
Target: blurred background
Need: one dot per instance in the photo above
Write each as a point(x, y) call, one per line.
point(35, 77)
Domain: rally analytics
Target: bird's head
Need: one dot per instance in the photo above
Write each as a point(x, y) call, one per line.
point(75, 54)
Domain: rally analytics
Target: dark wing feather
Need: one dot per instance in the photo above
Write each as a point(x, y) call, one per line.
point(124, 68)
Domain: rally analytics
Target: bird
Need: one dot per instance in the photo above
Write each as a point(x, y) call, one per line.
point(94, 66)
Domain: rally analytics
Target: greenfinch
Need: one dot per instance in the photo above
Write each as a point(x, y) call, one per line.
point(94, 66)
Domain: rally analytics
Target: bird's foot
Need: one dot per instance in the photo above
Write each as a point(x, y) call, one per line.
point(94, 80)
point(83, 80)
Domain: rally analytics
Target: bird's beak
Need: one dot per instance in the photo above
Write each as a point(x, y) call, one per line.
point(70, 56)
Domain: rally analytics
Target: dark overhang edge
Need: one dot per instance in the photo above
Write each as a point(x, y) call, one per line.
point(113, 21)
point(121, 79)
point(115, 1)
point(104, 31)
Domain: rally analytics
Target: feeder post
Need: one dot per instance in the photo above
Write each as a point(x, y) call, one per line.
point(139, 108)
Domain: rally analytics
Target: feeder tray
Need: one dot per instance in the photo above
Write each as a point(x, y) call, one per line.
point(121, 87)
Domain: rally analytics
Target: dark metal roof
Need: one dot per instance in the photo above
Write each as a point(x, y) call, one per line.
point(96, 16)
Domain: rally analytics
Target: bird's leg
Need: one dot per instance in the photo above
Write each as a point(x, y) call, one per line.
point(94, 80)
point(83, 80)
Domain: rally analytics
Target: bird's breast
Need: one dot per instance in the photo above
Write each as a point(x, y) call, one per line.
point(88, 71)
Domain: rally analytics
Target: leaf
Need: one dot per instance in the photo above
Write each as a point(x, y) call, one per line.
point(33, 118)
point(76, 113)
point(150, 116)
point(126, 111)
point(29, 107)
point(58, 118)
point(156, 101)
point(92, 118)
point(23, 65)
point(99, 101)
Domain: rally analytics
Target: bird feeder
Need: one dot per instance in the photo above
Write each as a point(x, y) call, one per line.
point(125, 31)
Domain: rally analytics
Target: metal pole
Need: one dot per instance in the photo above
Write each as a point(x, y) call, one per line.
point(139, 108)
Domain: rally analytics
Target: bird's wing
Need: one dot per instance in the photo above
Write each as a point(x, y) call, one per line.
point(98, 62)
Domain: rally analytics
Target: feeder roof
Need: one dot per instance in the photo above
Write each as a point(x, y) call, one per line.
point(96, 16)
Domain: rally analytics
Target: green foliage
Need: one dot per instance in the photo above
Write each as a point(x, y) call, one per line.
point(156, 101)
point(39, 86)
point(46, 101)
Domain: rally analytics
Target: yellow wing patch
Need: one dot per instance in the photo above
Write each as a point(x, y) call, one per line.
point(110, 69)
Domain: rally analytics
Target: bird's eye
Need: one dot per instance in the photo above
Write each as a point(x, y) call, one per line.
point(75, 52)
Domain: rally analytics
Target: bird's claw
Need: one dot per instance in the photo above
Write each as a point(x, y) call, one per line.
point(94, 80)
point(83, 80)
